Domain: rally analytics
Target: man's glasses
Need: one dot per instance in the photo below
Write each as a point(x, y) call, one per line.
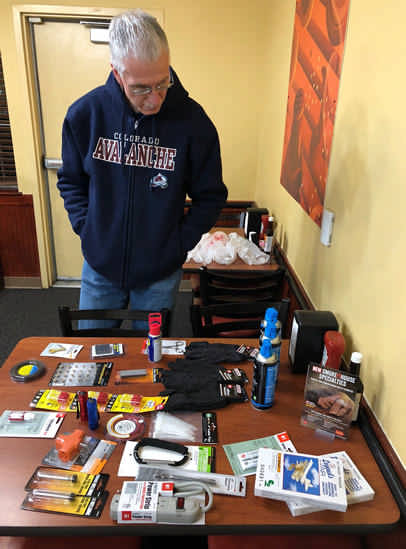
point(146, 90)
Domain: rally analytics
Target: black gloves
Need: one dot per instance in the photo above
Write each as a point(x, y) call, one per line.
point(198, 385)
point(187, 380)
point(191, 375)
point(214, 352)
point(208, 398)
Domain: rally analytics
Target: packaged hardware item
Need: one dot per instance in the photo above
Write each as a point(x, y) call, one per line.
point(30, 424)
point(243, 456)
point(356, 487)
point(152, 502)
point(67, 504)
point(67, 482)
point(303, 477)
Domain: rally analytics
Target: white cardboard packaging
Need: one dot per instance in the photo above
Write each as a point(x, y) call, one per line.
point(306, 478)
point(356, 486)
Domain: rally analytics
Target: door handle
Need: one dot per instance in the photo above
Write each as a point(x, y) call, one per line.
point(52, 163)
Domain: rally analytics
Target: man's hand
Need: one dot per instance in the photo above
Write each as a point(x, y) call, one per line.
point(339, 404)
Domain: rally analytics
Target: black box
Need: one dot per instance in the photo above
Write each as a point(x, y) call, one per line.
point(307, 337)
point(251, 222)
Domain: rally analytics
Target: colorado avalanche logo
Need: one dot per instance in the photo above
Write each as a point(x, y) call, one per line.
point(159, 181)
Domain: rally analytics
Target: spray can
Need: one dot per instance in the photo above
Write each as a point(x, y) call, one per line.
point(271, 329)
point(271, 332)
point(274, 335)
point(154, 344)
point(264, 377)
point(270, 318)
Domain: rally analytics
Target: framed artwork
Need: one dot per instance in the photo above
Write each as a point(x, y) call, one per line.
point(315, 68)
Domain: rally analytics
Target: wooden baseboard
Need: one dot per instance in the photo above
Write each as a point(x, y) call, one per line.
point(23, 282)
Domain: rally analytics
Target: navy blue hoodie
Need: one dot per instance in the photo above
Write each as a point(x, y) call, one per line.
point(125, 177)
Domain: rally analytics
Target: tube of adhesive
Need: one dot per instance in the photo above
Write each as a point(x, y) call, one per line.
point(154, 344)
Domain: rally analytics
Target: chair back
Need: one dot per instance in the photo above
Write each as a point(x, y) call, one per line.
point(68, 322)
point(235, 319)
point(229, 287)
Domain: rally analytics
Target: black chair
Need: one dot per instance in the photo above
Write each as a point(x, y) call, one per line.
point(68, 322)
point(235, 319)
point(229, 287)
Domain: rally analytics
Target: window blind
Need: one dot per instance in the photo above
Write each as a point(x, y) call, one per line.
point(8, 179)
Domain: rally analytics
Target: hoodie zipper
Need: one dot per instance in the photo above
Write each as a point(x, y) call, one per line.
point(130, 208)
point(128, 176)
point(127, 238)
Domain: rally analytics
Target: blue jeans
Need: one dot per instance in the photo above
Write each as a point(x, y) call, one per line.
point(97, 292)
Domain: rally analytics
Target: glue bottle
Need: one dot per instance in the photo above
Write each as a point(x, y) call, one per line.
point(334, 347)
point(154, 343)
point(264, 377)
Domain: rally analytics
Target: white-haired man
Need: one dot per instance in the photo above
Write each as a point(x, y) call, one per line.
point(132, 150)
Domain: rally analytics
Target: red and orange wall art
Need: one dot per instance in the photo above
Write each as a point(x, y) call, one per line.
point(315, 68)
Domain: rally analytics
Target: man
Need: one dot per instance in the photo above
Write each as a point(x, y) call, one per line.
point(132, 150)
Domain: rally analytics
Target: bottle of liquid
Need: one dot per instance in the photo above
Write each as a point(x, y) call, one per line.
point(154, 343)
point(355, 367)
point(264, 377)
point(264, 226)
point(268, 236)
point(334, 347)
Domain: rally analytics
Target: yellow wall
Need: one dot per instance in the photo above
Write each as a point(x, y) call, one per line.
point(234, 58)
point(359, 277)
point(214, 48)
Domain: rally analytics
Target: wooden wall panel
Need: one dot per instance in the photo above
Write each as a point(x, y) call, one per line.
point(18, 239)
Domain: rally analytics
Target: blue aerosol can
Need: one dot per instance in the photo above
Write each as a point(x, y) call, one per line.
point(154, 344)
point(264, 377)
point(270, 319)
point(271, 332)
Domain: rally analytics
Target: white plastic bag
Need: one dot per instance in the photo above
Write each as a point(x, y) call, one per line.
point(213, 247)
point(248, 251)
point(224, 249)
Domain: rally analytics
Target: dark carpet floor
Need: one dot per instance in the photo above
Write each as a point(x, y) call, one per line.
point(25, 313)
